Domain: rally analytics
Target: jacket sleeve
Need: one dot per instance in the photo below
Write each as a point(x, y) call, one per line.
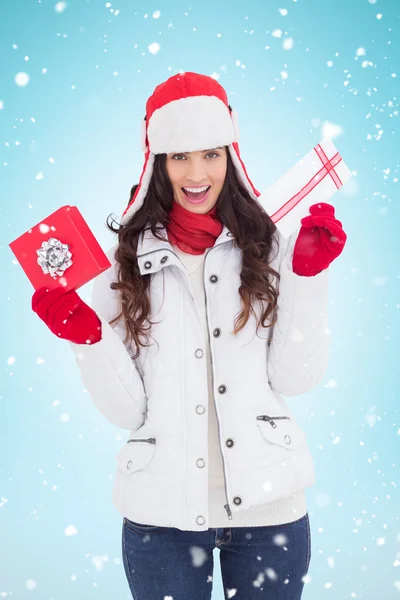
point(107, 369)
point(298, 351)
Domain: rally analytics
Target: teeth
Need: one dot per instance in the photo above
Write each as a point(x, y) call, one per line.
point(198, 190)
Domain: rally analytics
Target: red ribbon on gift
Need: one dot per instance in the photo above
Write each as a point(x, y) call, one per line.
point(328, 168)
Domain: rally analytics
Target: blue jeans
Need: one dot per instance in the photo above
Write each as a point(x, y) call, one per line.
point(267, 562)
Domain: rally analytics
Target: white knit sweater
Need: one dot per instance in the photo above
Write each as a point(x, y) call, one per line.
point(274, 513)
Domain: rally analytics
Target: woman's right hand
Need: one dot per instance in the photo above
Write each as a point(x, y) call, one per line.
point(66, 315)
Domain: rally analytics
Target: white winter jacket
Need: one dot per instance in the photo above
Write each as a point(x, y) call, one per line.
point(162, 397)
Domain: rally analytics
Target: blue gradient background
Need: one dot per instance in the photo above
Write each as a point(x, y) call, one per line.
point(57, 452)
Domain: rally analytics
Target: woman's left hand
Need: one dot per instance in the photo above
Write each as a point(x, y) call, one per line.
point(320, 240)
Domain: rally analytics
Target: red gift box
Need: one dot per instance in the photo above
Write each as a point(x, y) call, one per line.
point(60, 250)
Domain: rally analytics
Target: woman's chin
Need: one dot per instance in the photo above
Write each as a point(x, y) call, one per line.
point(201, 208)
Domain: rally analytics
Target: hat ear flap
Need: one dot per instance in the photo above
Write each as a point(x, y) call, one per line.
point(235, 122)
point(143, 135)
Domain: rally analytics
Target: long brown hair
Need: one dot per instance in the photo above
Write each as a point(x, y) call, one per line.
point(250, 225)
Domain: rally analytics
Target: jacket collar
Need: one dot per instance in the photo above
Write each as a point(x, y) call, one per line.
point(148, 245)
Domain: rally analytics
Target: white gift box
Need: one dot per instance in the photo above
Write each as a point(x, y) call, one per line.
point(315, 178)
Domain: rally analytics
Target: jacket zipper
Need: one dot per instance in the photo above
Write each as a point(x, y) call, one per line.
point(271, 420)
point(226, 506)
point(149, 440)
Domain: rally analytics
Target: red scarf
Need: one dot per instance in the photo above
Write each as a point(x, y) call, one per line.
point(193, 232)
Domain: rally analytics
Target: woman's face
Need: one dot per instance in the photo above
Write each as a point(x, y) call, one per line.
point(196, 170)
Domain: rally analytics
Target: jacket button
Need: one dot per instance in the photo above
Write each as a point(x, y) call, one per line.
point(222, 389)
point(229, 234)
point(129, 464)
point(200, 463)
point(164, 259)
point(229, 443)
point(200, 520)
point(237, 500)
point(287, 439)
point(198, 353)
point(147, 264)
point(213, 278)
point(217, 332)
point(200, 409)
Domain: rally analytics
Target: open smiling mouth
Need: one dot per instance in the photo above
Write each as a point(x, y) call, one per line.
point(196, 196)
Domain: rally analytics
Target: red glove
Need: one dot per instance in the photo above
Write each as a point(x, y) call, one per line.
point(321, 239)
point(67, 316)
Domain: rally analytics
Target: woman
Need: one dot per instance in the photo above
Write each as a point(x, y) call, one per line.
point(178, 348)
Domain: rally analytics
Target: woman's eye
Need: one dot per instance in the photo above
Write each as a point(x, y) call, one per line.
point(215, 154)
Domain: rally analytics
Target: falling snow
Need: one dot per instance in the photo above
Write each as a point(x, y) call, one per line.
point(22, 79)
point(69, 104)
point(30, 584)
point(60, 7)
point(154, 48)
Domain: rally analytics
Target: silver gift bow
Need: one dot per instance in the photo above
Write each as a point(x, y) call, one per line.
point(54, 257)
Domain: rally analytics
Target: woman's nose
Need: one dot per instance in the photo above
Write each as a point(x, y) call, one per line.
point(196, 172)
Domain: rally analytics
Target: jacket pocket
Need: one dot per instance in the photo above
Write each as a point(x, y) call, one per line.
point(281, 430)
point(136, 454)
